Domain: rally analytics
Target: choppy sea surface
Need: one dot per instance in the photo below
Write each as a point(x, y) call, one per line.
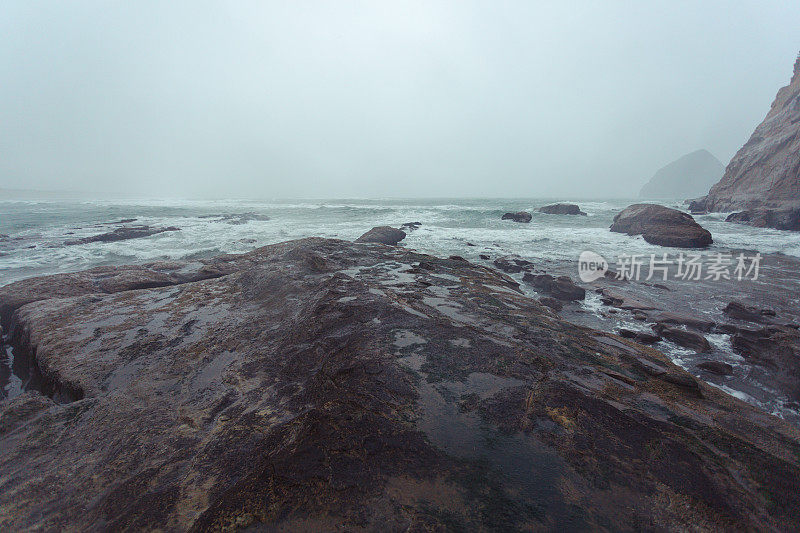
point(39, 229)
point(447, 224)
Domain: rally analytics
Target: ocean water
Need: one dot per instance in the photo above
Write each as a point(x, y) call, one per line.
point(40, 228)
point(38, 231)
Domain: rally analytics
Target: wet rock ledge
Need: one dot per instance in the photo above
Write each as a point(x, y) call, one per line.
point(328, 385)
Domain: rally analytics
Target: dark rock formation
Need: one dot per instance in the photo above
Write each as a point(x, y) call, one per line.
point(520, 216)
point(512, 265)
point(776, 348)
point(684, 337)
point(411, 226)
point(383, 235)
point(687, 177)
point(122, 234)
point(327, 385)
point(784, 219)
point(661, 226)
point(716, 367)
point(693, 322)
point(765, 172)
point(562, 209)
point(561, 288)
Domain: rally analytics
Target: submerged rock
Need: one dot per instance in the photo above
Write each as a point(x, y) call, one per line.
point(330, 385)
point(521, 216)
point(662, 226)
point(562, 209)
point(237, 219)
point(384, 235)
point(411, 226)
point(122, 234)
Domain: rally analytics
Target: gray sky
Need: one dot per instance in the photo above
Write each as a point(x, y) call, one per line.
point(362, 99)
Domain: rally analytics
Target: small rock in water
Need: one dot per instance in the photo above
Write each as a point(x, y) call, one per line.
point(384, 235)
point(484, 257)
point(716, 367)
point(562, 209)
point(520, 216)
point(682, 337)
point(122, 234)
point(512, 265)
point(410, 226)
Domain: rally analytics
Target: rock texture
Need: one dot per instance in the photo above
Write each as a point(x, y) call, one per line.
point(662, 226)
point(765, 172)
point(688, 177)
point(384, 235)
point(562, 209)
point(521, 216)
point(327, 385)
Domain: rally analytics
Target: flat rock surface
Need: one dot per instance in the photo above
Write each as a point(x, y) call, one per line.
point(328, 385)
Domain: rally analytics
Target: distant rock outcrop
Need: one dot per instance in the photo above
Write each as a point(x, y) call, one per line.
point(521, 216)
point(561, 209)
point(662, 226)
point(688, 177)
point(765, 172)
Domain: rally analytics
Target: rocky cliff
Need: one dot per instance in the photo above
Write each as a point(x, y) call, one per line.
point(688, 177)
point(326, 385)
point(765, 172)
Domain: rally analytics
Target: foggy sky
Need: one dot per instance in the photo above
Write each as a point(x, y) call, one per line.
point(365, 99)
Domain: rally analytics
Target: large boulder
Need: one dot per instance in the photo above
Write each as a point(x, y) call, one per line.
point(335, 386)
point(662, 226)
point(783, 219)
point(520, 216)
point(383, 235)
point(562, 209)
